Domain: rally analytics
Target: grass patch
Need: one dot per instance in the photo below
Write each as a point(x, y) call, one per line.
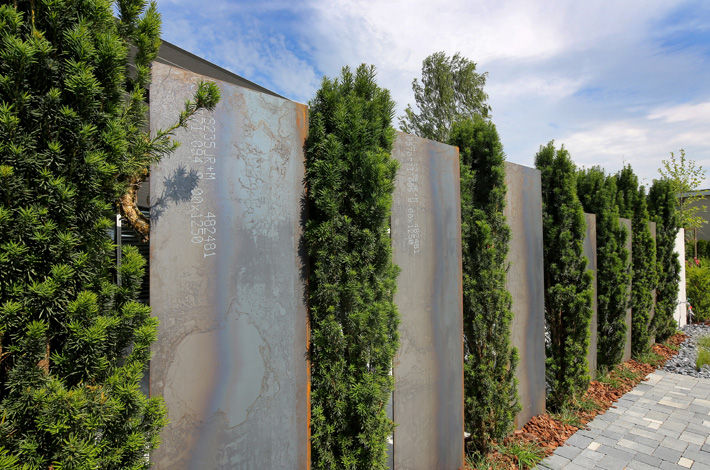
point(703, 352)
point(625, 373)
point(567, 416)
point(651, 358)
point(483, 463)
point(609, 379)
point(525, 454)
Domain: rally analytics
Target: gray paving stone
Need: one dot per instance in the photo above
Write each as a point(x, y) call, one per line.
point(637, 465)
point(568, 452)
point(555, 462)
point(649, 459)
point(579, 440)
point(653, 426)
point(675, 444)
point(667, 454)
point(642, 440)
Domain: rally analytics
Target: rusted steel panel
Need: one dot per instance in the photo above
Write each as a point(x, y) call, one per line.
point(525, 282)
point(626, 223)
point(652, 336)
point(590, 251)
point(428, 369)
point(226, 280)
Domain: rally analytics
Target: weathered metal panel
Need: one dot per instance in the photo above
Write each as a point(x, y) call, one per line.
point(590, 251)
point(525, 281)
point(226, 280)
point(428, 369)
point(626, 223)
point(652, 336)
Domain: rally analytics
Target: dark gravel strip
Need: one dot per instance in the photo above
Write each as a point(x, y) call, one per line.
point(684, 362)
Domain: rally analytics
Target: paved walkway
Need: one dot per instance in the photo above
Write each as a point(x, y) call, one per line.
point(662, 423)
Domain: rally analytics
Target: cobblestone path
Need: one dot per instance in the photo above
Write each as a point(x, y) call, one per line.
point(662, 423)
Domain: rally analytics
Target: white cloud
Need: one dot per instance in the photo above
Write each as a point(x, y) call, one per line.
point(697, 113)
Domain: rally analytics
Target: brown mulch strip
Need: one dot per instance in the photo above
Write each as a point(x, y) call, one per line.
point(549, 433)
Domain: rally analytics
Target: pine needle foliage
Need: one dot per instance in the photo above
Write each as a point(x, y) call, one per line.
point(568, 283)
point(662, 208)
point(597, 193)
point(73, 343)
point(631, 201)
point(350, 179)
point(490, 386)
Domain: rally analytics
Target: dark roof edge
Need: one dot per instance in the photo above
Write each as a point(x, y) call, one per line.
point(170, 54)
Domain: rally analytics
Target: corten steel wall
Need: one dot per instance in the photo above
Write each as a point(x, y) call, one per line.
point(525, 281)
point(652, 337)
point(226, 281)
point(428, 368)
point(681, 311)
point(590, 251)
point(627, 343)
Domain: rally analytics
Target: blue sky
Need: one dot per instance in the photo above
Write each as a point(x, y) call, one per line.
point(616, 82)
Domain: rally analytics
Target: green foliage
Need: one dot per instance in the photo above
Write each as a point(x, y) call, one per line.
point(685, 176)
point(490, 399)
point(451, 90)
point(662, 209)
point(350, 179)
point(631, 201)
point(525, 454)
point(568, 284)
point(703, 250)
point(703, 358)
point(597, 192)
point(697, 278)
point(650, 357)
point(74, 344)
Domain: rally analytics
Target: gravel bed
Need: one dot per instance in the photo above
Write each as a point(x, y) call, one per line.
point(684, 362)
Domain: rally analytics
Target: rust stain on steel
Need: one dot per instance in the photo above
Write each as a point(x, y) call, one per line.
point(626, 223)
point(428, 369)
point(525, 282)
point(227, 280)
point(590, 251)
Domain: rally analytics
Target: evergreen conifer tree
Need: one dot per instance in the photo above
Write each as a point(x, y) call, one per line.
point(662, 207)
point(597, 193)
point(73, 343)
point(568, 283)
point(350, 179)
point(631, 201)
point(490, 393)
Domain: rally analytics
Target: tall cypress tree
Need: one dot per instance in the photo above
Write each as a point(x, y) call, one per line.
point(662, 207)
point(73, 343)
point(597, 193)
point(631, 201)
point(568, 284)
point(350, 180)
point(490, 394)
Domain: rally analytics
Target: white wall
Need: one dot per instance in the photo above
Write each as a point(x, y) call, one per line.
point(680, 310)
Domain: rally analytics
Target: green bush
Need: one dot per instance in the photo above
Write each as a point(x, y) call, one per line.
point(662, 208)
point(631, 201)
point(598, 193)
point(350, 179)
point(568, 283)
point(703, 249)
point(73, 343)
point(697, 279)
point(490, 393)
